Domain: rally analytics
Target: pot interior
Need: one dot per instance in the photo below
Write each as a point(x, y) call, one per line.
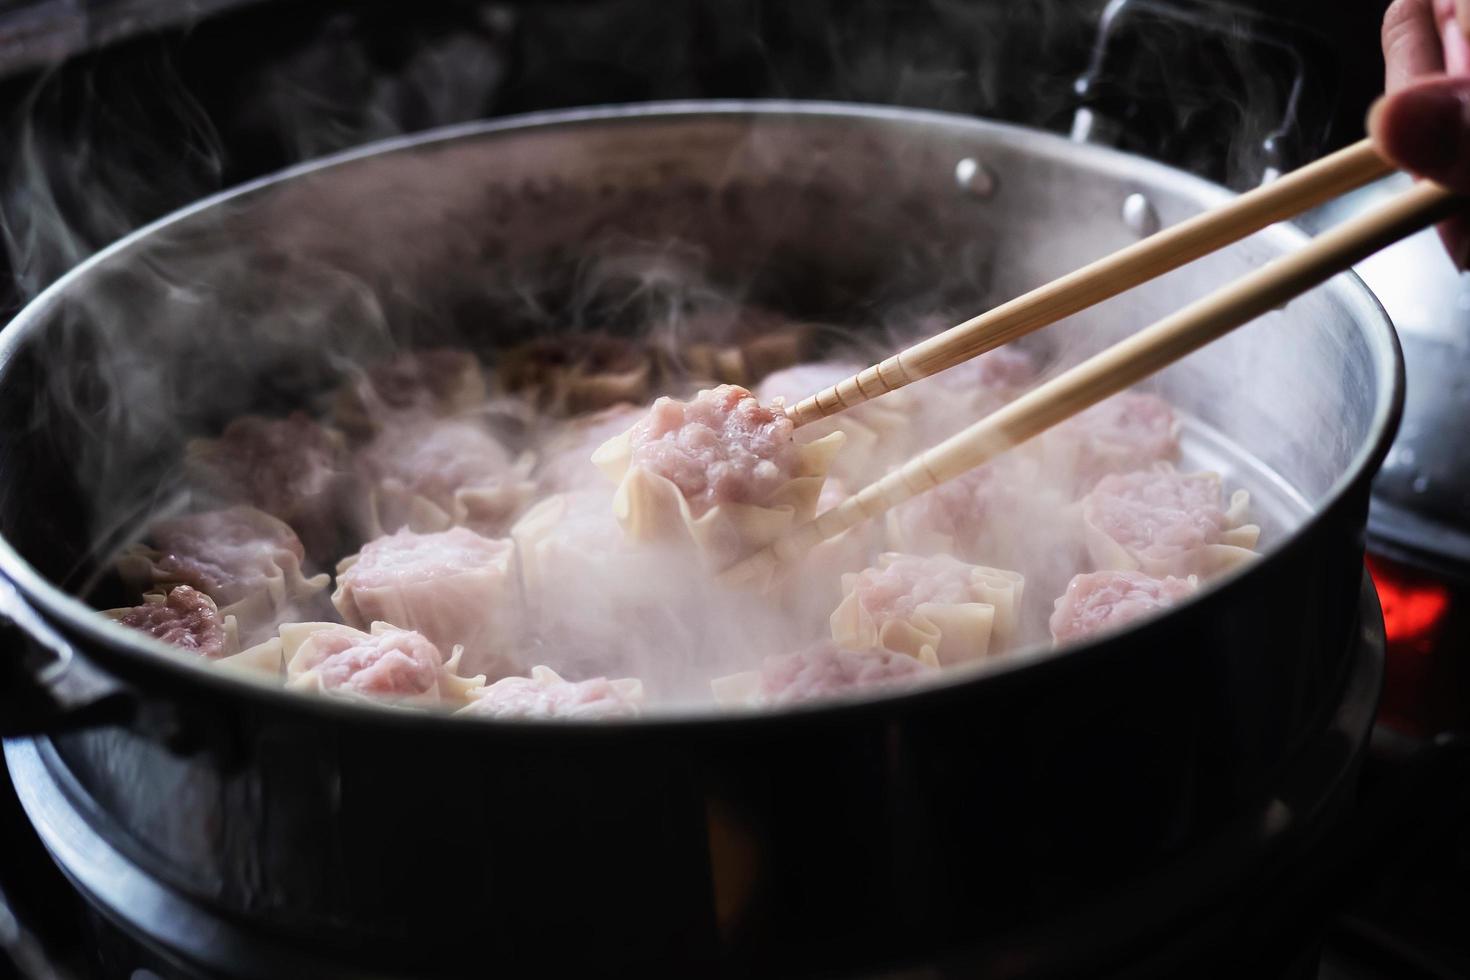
point(487, 236)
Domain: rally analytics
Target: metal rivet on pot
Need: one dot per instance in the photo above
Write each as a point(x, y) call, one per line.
point(1139, 215)
point(974, 177)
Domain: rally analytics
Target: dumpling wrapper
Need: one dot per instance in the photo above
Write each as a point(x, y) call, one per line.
point(975, 614)
point(650, 507)
point(456, 587)
point(1124, 515)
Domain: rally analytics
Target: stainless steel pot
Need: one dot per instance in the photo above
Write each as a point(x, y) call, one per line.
point(975, 812)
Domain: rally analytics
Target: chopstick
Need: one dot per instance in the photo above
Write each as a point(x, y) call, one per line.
point(1153, 256)
point(1120, 366)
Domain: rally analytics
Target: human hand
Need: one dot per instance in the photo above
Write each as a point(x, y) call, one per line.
point(1422, 123)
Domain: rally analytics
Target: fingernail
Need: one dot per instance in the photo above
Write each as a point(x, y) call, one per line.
point(1424, 129)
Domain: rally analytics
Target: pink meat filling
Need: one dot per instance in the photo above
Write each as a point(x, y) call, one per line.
point(407, 557)
point(225, 553)
point(721, 447)
point(825, 670)
point(188, 619)
point(1157, 513)
point(391, 664)
point(436, 458)
point(1099, 601)
point(908, 582)
point(523, 697)
point(1126, 432)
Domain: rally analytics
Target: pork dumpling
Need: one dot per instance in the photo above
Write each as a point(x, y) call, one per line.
point(1004, 512)
point(1129, 431)
point(546, 695)
point(455, 587)
point(435, 382)
point(721, 470)
point(875, 431)
point(430, 474)
point(910, 604)
point(1099, 602)
point(566, 455)
point(383, 664)
point(822, 670)
point(1164, 522)
point(185, 618)
point(959, 396)
point(581, 372)
point(246, 561)
point(293, 468)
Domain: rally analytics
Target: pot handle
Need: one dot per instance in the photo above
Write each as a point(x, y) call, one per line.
point(1103, 101)
point(45, 686)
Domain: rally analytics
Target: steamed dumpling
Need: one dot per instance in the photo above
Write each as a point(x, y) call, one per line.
point(185, 618)
point(246, 561)
point(293, 468)
point(722, 470)
point(913, 604)
point(456, 587)
point(1164, 522)
point(546, 695)
point(430, 474)
point(1098, 602)
point(822, 670)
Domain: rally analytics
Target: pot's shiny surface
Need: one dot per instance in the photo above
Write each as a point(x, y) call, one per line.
point(864, 830)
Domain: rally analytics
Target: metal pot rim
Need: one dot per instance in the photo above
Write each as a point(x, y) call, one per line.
point(145, 659)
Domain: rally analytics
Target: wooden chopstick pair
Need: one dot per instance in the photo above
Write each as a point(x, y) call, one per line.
point(1131, 360)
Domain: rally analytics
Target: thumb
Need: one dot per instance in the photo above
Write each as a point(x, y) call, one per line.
point(1425, 128)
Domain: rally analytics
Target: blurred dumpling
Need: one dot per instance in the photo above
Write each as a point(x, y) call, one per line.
point(292, 468)
point(1164, 522)
point(546, 695)
point(913, 604)
point(185, 618)
point(385, 664)
point(430, 474)
point(566, 455)
point(1098, 602)
point(823, 670)
point(435, 382)
point(721, 470)
point(576, 373)
point(455, 587)
point(246, 561)
point(1129, 431)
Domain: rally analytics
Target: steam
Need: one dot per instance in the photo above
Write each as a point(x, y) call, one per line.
point(270, 302)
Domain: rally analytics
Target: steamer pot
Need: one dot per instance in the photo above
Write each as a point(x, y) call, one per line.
point(972, 813)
